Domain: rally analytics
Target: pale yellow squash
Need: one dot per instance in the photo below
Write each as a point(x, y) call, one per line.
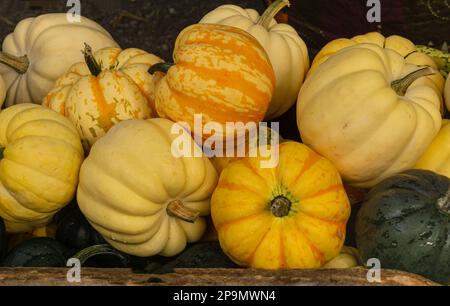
point(139, 196)
point(111, 86)
point(41, 49)
point(286, 49)
point(41, 158)
point(364, 109)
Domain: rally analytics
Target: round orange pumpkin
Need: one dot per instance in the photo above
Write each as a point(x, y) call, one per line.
point(290, 217)
point(220, 72)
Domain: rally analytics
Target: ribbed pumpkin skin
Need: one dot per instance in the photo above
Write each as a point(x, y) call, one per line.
point(220, 72)
point(401, 225)
point(123, 90)
point(40, 165)
point(129, 180)
point(311, 234)
point(437, 157)
point(52, 45)
point(349, 112)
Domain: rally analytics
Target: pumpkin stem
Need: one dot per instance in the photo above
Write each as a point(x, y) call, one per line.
point(19, 64)
point(160, 67)
point(177, 209)
point(401, 86)
point(94, 67)
point(281, 207)
point(102, 249)
point(272, 11)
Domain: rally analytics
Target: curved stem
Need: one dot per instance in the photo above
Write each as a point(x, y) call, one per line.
point(281, 207)
point(161, 67)
point(401, 86)
point(94, 67)
point(102, 249)
point(19, 64)
point(272, 11)
point(177, 209)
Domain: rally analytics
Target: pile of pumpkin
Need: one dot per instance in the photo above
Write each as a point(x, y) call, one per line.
point(97, 125)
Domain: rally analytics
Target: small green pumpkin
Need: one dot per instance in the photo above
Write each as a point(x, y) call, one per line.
point(37, 252)
point(405, 223)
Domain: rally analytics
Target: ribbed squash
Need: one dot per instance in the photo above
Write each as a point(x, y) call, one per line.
point(292, 216)
point(41, 158)
point(220, 72)
point(109, 87)
point(370, 107)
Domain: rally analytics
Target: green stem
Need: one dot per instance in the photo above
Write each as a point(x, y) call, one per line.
point(272, 11)
point(102, 249)
point(281, 207)
point(401, 86)
point(94, 67)
point(161, 67)
point(19, 64)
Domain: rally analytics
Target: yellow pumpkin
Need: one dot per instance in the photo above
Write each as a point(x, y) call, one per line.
point(369, 109)
point(292, 216)
point(220, 72)
point(142, 198)
point(437, 157)
point(42, 155)
point(111, 86)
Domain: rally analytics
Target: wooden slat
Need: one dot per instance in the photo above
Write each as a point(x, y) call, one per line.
point(206, 277)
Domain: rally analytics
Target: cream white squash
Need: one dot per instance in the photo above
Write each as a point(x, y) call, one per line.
point(370, 110)
point(111, 86)
point(287, 51)
point(141, 197)
point(41, 49)
point(41, 155)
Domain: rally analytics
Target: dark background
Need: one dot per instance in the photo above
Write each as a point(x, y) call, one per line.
point(153, 25)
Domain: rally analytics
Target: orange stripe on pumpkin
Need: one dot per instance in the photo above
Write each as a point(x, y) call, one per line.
point(107, 111)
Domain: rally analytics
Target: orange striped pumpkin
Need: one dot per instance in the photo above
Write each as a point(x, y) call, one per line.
point(290, 217)
point(109, 87)
point(220, 72)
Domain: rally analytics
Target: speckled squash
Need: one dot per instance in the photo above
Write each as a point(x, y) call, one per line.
point(220, 72)
point(288, 217)
point(405, 224)
point(109, 87)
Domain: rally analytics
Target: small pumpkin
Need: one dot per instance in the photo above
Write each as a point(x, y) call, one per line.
point(348, 258)
point(220, 72)
point(143, 199)
point(370, 121)
point(41, 49)
point(404, 224)
point(288, 217)
point(74, 231)
point(37, 253)
point(111, 86)
point(39, 165)
point(287, 51)
point(437, 157)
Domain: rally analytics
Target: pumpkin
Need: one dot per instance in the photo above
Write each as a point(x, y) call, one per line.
point(37, 253)
point(41, 49)
point(111, 86)
point(290, 217)
point(220, 72)
point(348, 258)
point(437, 156)
point(139, 195)
point(74, 231)
point(369, 110)
point(404, 224)
point(39, 166)
point(287, 51)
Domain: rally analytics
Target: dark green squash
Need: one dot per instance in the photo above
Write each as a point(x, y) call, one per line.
point(37, 252)
point(74, 231)
point(405, 223)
